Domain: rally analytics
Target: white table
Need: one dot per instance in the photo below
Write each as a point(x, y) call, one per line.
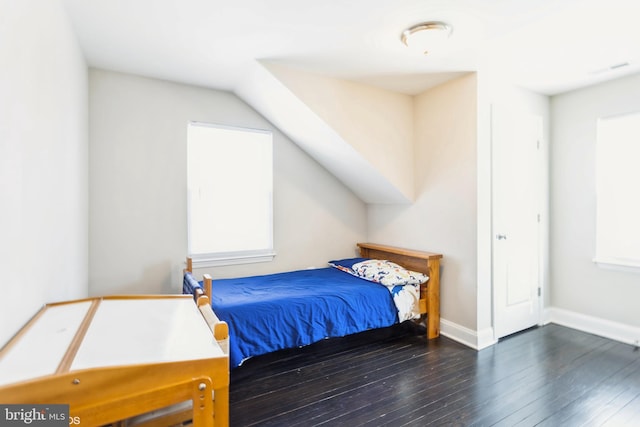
point(112, 358)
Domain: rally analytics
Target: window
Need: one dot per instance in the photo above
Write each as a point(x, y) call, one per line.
point(618, 199)
point(230, 187)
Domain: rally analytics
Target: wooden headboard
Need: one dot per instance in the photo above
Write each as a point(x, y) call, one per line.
point(424, 262)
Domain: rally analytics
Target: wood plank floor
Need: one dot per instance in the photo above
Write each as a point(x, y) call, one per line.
point(547, 376)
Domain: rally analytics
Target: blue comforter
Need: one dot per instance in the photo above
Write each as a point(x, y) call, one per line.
point(285, 310)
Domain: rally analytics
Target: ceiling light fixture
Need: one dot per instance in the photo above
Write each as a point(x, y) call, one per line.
point(427, 36)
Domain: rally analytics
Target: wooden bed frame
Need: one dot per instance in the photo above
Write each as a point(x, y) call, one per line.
point(423, 262)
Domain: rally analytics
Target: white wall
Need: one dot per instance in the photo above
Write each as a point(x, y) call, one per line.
point(443, 219)
point(137, 163)
point(577, 284)
point(43, 161)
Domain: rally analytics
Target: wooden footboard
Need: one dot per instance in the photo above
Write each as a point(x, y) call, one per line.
point(423, 262)
point(219, 327)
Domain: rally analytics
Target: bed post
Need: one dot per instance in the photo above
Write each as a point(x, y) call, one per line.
point(219, 328)
point(207, 283)
point(433, 298)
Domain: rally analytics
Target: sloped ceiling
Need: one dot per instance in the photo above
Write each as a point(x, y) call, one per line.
point(279, 94)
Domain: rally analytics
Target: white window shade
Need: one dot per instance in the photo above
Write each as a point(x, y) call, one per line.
point(618, 197)
point(230, 188)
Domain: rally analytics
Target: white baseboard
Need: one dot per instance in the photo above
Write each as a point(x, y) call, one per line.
point(474, 339)
point(594, 325)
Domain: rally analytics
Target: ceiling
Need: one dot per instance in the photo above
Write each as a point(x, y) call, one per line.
point(549, 46)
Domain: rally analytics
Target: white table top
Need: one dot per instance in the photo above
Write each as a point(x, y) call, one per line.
point(124, 331)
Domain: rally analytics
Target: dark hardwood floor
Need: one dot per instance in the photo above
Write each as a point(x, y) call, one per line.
point(547, 376)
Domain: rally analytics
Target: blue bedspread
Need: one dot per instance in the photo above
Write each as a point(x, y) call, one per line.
point(285, 310)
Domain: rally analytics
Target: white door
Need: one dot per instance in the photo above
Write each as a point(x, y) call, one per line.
point(516, 187)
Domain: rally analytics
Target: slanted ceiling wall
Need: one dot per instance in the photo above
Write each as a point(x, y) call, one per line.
point(361, 134)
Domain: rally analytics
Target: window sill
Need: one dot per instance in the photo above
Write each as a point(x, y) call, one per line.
point(211, 260)
point(631, 266)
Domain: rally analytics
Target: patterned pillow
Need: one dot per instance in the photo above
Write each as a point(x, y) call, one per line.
point(388, 273)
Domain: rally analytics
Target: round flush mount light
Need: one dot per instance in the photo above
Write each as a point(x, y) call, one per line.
point(427, 36)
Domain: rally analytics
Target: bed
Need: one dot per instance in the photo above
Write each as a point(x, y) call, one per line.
point(292, 309)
